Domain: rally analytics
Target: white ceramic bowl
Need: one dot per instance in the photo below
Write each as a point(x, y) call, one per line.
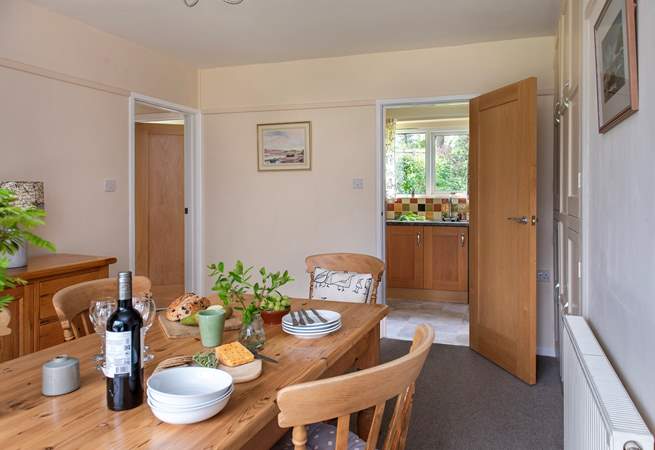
point(187, 416)
point(188, 386)
point(175, 408)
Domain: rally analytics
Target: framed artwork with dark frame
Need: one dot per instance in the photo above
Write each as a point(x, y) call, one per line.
point(284, 146)
point(615, 35)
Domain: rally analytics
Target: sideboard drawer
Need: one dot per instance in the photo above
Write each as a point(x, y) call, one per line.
point(50, 331)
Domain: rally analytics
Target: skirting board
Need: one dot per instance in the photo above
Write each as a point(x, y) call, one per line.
point(426, 294)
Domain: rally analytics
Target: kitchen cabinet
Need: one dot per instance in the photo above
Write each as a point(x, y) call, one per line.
point(445, 260)
point(405, 256)
point(34, 323)
point(427, 262)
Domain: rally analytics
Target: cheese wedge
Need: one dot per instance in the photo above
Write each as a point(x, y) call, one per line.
point(234, 354)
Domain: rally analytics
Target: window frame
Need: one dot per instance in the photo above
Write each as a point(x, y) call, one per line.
point(430, 156)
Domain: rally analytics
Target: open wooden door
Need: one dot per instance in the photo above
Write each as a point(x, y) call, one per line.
point(503, 210)
point(159, 199)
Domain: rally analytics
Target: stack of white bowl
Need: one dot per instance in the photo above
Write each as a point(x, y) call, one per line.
point(184, 395)
point(314, 327)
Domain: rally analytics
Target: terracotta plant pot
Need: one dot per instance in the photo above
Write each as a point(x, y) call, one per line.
point(274, 317)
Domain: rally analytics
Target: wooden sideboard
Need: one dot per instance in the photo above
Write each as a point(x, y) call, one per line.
point(34, 322)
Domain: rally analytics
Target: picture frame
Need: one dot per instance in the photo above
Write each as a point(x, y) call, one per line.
point(284, 146)
point(615, 37)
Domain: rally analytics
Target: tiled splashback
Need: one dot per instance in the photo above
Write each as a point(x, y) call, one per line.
point(433, 208)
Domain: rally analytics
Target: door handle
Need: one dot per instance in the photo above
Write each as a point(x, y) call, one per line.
point(523, 220)
point(462, 239)
point(418, 239)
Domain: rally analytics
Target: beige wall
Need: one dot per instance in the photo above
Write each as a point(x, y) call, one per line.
point(70, 138)
point(33, 35)
point(276, 219)
point(74, 137)
point(619, 264)
point(466, 69)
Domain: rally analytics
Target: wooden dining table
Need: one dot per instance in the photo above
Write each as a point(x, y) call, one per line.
point(81, 419)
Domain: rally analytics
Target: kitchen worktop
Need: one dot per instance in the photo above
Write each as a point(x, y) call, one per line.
point(429, 223)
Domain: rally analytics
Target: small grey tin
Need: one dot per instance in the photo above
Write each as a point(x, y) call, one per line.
point(61, 375)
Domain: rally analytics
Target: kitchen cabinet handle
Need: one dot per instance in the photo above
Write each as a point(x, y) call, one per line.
point(462, 239)
point(418, 239)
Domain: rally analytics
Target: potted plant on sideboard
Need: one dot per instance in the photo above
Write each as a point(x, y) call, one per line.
point(16, 223)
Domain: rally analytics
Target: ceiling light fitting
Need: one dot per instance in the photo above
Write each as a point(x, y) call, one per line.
point(192, 3)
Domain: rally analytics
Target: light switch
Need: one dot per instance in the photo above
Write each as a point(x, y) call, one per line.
point(358, 183)
point(110, 185)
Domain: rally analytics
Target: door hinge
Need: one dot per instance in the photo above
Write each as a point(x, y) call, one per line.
point(186, 210)
point(579, 180)
point(580, 269)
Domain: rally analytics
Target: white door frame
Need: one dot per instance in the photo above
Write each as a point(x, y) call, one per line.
point(193, 233)
point(380, 106)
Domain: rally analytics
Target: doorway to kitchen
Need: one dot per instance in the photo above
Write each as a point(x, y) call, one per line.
point(425, 228)
point(164, 225)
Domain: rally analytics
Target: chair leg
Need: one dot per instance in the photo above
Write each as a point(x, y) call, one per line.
point(299, 437)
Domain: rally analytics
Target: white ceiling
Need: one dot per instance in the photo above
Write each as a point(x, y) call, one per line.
point(257, 31)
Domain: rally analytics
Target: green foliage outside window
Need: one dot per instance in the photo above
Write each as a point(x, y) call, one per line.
point(451, 163)
point(411, 175)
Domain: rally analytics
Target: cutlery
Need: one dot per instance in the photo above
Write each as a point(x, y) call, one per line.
point(321, 318)
point(307, 318)
point(264, 357)
point(293, 318)
point(301, 320)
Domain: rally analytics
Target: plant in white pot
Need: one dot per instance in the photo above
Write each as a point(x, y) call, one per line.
point(16, 225)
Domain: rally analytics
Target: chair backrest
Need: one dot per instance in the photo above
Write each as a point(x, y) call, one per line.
point(339, 397)
point(347, 262)
point(72, 302)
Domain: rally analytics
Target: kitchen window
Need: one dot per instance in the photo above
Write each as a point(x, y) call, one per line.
point(429, 162)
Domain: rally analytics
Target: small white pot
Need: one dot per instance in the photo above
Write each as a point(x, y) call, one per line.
point(18, 259)
point(5, 318)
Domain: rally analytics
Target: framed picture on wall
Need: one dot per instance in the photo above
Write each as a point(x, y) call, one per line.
point(284, 146)
point(615, 34)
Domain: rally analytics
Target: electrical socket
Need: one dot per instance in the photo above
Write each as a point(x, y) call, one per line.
point(543, 276)
point(358, 183)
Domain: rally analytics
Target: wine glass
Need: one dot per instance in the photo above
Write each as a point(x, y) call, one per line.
point(148, 310)
point(99, 311)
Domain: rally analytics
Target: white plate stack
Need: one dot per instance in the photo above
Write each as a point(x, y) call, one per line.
point(184, 395)
point(313, 326)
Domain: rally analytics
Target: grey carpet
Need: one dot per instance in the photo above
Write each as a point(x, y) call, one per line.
point(463, 401)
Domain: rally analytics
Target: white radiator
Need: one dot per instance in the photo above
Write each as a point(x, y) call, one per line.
point(598, 413)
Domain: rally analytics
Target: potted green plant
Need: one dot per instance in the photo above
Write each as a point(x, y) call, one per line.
point(252, 300)
point(233, 288)
point(16, 224)
point(272, 303)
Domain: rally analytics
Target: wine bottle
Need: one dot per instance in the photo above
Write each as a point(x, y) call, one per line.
point(123, 357)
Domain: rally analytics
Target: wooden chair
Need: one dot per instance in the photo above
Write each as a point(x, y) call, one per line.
point(339, 397)
point(347, 262)
point(72, 302)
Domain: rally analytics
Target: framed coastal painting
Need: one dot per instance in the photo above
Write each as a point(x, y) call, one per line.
point(615, 34)
point(284, 146)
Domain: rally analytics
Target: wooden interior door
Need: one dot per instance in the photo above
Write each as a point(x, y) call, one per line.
point(404, 248)
point(160, 208)
point(446, 259)
point(503, 209)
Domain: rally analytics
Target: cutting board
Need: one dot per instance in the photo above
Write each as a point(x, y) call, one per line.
point(175, 330)
point(244, 373)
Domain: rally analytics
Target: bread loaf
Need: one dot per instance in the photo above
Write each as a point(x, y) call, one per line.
point(185, 305)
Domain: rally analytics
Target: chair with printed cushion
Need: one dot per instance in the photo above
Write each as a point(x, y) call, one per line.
point(347, 277)
point(304, 406)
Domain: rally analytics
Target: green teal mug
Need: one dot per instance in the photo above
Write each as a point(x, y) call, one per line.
point(211, 323)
